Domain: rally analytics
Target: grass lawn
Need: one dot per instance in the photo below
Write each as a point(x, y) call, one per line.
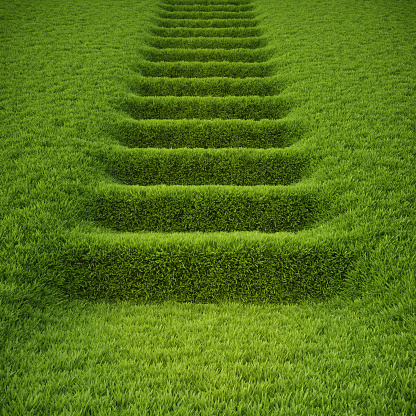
point(348, 69)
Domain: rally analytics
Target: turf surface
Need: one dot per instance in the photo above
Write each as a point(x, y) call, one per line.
point(347, 67)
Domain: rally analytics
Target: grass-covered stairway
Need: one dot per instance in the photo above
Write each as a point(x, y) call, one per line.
point(210, 199)
point(347, 68)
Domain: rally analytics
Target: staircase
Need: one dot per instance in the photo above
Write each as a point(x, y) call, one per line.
point(209, 200)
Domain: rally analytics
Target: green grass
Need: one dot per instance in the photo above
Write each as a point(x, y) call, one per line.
point(206, 32)
point(208, 208)
point(206, 7)
point(205, 55)
point(217, 133)
point(206, 23)
point(349, 67)
point(205, 15)
point(205, 69)
point(240, 167)
point(215, 86)
point(206, 108)
point(207, 42)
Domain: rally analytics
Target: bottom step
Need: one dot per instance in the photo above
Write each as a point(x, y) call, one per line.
point(205, 267)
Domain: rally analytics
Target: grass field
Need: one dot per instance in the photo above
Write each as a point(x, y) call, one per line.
point(96, 113)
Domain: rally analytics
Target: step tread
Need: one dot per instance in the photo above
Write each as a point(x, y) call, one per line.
point(230, 107)
point(203, 15)
point(207, 23)
point(202, 42)
point(205, 69)
point(213, 86)
point(229, 166)
point(152, 54)
point(216, 133)
point(206, 32)
point(180, 208)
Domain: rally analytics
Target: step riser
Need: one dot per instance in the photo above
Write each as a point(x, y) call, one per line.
point(184, 32)
point(207, 2)
point(200, 23)
point(208, 15)
point(205, 69)
point(239, 167)
point(244, 108)
point(204, 209)
point(206, 55)
point(207, 134)
point(204, 269)
point(207, 43)
point(216, 87)
point(207, 8)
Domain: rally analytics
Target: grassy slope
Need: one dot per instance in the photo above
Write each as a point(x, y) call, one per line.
point(350, 65)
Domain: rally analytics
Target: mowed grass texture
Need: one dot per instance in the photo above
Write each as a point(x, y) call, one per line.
point(347, 70)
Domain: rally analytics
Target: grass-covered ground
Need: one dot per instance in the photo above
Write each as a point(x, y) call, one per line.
point(349, 68)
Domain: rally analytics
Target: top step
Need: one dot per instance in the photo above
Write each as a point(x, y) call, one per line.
point(205, 23)
point(206, 15)
point(207, 8)
point(207, 2)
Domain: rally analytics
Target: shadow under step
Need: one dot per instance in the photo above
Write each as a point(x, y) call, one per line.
point(175, 108)
point(217, 133)
point(198, 267)
point(209, 208)
point(238, 167)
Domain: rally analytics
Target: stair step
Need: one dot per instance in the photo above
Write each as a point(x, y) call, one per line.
point(211, 267)
point(206, 55)
point(208, 133)
point(207, 2)
point(229, 166)
point(213, 86)
point(244, 107)
point(207, 42)
point(207, 23)
point(206, 32)
point(205, 15)
point(206, 69)
point(209, 208)
point(206, 7)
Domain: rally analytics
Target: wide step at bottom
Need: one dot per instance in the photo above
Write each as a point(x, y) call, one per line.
point(204, 267)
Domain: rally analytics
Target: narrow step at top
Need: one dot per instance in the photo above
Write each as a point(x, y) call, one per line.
point(187, 32)
point(245, 107)
point(204, 23)
point(207, 7)
point(205, 15)
point(206, 55)
point(236, 166)
point(206, 69)
point(213, 86)
point(203, 42)
point(208, 208)
point(208, 133)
